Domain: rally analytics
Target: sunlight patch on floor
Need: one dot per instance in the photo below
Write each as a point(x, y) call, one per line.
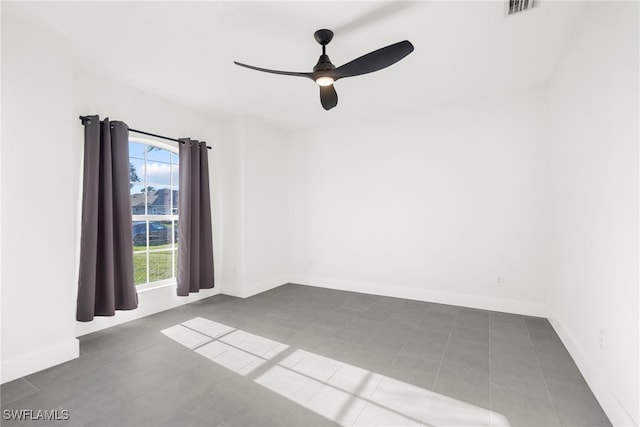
point(343, 393)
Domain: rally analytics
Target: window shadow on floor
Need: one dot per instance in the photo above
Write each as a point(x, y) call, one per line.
point(341, 392)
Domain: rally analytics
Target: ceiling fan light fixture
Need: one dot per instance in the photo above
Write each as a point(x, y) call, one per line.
point(324, 81)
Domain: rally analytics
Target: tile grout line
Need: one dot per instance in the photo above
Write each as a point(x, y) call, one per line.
point(426, 411)
point(396, 357)
point(355, 394)
point(544, 378)
point(30, 383)
point(490, 381)
point(24, 395)
point(446, 346)
point(435, 382)
point(211, 339)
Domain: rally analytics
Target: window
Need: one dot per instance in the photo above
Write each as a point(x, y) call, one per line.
point(153, 183)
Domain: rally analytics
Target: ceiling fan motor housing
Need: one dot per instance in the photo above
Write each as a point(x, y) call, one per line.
point(324, 64)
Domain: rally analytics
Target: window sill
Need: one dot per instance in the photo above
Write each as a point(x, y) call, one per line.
point(153, 286)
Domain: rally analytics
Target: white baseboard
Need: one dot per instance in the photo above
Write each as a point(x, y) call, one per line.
point(40, 359)
point(150, 301)
point(617, 413)
point(464, 300)
point(251, 289)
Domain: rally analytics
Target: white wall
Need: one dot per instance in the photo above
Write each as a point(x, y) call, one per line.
point(259, 189)
point(232, 211)
point(38, 201)
point(432, 205)
point(265, 205)
point(593, 287)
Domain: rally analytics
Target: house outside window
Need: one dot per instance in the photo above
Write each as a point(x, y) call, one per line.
point(153, 184)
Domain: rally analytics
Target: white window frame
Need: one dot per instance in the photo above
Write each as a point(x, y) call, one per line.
point(173, 147)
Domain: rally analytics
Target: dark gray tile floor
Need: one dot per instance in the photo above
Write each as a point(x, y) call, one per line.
point(343, 358)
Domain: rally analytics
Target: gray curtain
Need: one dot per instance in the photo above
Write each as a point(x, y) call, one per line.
point(195, 236)
point(105, 281)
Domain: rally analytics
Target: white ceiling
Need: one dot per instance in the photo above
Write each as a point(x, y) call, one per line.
point(184, 51)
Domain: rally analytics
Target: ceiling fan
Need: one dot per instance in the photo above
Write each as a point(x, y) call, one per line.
point(325, 73)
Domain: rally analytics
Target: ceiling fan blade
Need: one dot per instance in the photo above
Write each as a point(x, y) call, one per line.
point(374, 61)
point(328, 97)
point(286, 73)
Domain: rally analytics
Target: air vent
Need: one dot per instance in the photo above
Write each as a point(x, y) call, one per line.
point(513, 7)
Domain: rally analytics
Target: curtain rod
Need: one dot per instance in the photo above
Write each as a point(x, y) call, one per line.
point(85, 119)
